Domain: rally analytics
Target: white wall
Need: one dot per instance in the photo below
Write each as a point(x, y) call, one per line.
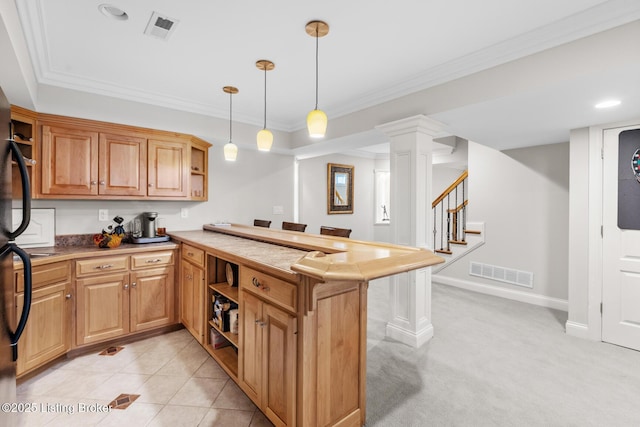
point(522, 196)
point(313, 196)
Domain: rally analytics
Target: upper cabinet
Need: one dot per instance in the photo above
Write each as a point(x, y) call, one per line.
point(25, 135)
point(82, 159)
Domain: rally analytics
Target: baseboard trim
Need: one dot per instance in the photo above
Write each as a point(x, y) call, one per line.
point(529, 298)
point(579, 330)
point(413, 339)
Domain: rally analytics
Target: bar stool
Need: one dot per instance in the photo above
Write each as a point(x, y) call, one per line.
point(333, 231)
point(293, 226)
point(261, 223)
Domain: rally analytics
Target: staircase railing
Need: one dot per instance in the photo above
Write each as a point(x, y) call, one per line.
point(450, 215)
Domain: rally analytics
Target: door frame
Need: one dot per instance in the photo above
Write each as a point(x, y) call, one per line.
point(585, 238)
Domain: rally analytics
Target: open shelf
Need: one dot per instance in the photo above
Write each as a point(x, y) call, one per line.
point(232, 338)
point(223, 288)
point(227, 357)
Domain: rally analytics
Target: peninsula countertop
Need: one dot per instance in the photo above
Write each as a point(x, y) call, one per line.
point(327, 258)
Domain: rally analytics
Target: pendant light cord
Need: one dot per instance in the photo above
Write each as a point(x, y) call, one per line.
point(317, 37)
point(230, 114)
point(265, 97)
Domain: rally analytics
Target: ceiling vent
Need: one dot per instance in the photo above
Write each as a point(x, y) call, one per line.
point(160, 26)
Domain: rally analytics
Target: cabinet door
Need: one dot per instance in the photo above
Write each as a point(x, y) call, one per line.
point(46, 334)
point(122, 166)
point(279, 365)
point(168, 169)
point(102, 308)
point(191, 299)
point(151, 298)
point(69, 161)
point(251, 345)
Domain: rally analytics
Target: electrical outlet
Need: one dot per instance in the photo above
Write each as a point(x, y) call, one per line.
point(184, 213)
point(103, 214)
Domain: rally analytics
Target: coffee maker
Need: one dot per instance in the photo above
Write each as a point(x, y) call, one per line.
point(144, 229)
point(149, 224)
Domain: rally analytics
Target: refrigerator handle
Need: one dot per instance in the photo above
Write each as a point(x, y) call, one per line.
point(26, 307)
point(26, 191)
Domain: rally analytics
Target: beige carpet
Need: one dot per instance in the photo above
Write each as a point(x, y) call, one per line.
point(496, 362)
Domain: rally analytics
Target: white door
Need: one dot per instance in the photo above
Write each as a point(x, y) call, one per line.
point(621, 239)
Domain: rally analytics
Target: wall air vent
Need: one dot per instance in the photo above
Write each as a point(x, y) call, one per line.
point(501, 274)
point(160, 26)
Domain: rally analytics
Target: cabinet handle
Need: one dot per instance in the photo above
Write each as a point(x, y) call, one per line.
point(68, 296)
point(150, 185)
point(102, 183)
point(188, 276)
point(260, 323)
point(93, 182)
point(190, 254)
point(151, 261)
point(259, 285)
point(126, 286)
point(133, 285)
point(103, 267)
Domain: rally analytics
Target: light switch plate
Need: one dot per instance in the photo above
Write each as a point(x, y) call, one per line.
point(103, 214)
point(184, 213)
point(278, 210)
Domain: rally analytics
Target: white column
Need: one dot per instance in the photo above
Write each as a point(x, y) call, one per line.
point(411, 224)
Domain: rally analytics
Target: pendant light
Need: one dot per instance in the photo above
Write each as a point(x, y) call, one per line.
point(230, 149)
point(265, 137)
point(317, 119)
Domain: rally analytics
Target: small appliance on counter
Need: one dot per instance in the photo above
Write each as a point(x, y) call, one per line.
point(148, 223)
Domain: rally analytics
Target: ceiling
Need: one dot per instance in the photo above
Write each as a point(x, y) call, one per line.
point(375, 52)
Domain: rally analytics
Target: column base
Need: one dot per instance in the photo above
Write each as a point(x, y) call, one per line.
point(414, 339)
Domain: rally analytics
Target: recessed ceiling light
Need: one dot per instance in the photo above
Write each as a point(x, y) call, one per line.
point(113, 12)
point(607, 104)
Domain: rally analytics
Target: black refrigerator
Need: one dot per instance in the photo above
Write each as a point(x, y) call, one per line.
point(12, 323)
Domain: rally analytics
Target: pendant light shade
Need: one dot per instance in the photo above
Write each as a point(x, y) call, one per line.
point(265, 140)
point(317, 119)
point(265, 137)
point(230, 149)
point(317, 123)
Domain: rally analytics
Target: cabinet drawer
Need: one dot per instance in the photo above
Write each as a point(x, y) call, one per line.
point(151, 259)
point(86, 267)
point(269, 288)
point(44, 275)
point(194, 255)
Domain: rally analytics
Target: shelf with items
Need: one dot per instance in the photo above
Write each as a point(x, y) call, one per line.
point(198, 172)
point(222, 314)
point(23, 130)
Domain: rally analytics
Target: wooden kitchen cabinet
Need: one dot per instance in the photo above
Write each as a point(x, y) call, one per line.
point(151, 298)
point(69, 161)
point(168, 169)
point(47, 334)
point(26, 138)
point(123, 294)
point(192, 286)
point(122, 165)
point(268, 358)
point(83, 159)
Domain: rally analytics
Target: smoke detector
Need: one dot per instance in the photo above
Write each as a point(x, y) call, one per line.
point(160, 26)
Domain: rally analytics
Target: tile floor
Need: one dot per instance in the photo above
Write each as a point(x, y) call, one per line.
point(178, 384)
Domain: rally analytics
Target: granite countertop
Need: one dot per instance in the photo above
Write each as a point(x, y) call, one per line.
point(47, 255)
point(258, 252)
point(325, 258)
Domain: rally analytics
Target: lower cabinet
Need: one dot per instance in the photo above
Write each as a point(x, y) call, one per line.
point(130, 299)
point(46, 335)
point(192, 291)
point(102, 308)
point(268, 358)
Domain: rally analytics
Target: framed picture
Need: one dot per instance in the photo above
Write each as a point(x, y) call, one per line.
point(339, 189)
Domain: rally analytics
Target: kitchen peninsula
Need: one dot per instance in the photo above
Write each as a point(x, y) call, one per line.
point(300, 348)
